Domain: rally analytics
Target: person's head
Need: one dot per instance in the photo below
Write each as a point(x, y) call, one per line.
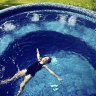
point(45, 60)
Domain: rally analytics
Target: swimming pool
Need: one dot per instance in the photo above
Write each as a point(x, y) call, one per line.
point(63, 32)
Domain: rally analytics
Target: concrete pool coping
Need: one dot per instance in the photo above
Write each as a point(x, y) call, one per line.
point(80, 10)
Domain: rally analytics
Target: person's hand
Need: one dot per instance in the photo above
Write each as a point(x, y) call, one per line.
point(60, 79)
point(37, 50)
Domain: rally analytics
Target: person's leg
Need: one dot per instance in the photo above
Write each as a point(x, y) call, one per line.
point(18, 74)
point(26, 79)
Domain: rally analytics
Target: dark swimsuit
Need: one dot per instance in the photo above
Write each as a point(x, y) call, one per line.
point(34, 68)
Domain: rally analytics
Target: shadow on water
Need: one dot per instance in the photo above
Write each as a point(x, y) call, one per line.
point(23, 50)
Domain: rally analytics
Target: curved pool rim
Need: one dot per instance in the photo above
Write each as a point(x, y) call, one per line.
point(45, 6)
point(11, 11)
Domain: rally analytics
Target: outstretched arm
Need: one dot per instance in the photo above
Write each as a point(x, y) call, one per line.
point(45, 66)
point(38, 55)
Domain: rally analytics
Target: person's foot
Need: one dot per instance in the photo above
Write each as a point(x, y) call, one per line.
point(3, 82)
point(19, 93)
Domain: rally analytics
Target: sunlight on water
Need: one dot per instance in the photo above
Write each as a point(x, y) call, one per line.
point(75, 70)
point(62, 25)
point(78, 74)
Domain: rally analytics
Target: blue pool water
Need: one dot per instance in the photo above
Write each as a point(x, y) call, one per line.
point(65, 34)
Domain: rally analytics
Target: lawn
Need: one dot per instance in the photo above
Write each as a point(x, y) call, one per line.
point(88, 4)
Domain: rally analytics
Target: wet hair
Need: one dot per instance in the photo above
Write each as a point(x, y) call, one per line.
point(49, 60)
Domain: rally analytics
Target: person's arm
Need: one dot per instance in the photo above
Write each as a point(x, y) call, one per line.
point(46, 67)
point(38, 55)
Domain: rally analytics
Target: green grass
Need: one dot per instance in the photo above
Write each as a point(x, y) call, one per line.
point(88, 4)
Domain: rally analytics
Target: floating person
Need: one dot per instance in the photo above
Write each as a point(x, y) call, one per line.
point(31, 71)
